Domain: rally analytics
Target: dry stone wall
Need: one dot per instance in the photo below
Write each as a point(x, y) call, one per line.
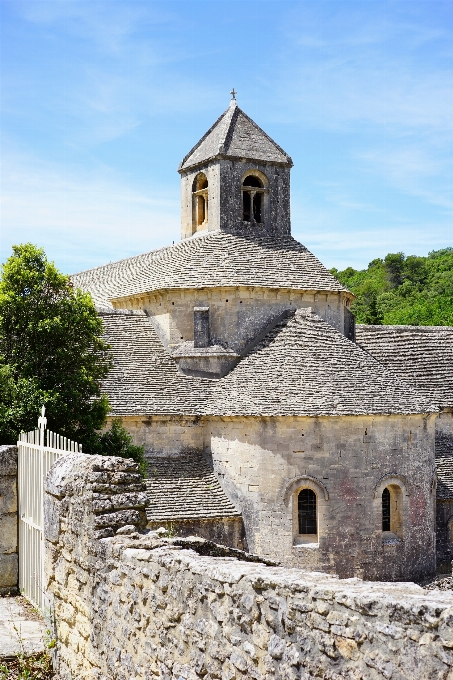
point(133, 605)
point(8, 520)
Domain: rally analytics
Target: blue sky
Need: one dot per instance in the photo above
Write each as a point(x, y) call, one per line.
point(100, 100)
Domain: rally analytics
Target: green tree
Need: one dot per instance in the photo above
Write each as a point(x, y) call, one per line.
point(118, 442)
point(51, 351)
point(411, 290)
point(394, 264)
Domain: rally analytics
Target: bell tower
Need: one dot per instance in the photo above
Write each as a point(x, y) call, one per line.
point(236, 179)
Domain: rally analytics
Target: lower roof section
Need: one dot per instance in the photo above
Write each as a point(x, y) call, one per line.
point(185, 487)
point(444, 466)
point(303, 367)
point(420, 355)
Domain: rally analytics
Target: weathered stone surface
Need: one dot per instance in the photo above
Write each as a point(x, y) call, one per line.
point(142, 606)
point(52, 511)
point(8, 519)
point(19, 634)
point(8, 461)
point(8, 533)
point(9, 565)
point(8, 494)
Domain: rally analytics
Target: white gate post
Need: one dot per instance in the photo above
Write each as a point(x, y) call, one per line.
point(35, 458)
point(42, 422)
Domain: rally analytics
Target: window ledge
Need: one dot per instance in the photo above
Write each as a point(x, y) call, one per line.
point(302, 542)
point(389, 537)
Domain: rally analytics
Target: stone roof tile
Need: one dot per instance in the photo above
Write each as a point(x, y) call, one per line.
point(420, 355)
point(444, 467)
point(302, 367)
point(185, 487)
point(306, 367)
point(207, 261)
point(235, 135)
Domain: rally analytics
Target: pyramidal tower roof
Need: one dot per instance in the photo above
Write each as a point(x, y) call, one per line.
point(234, 135)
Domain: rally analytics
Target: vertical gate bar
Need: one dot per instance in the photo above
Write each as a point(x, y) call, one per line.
point(38, 450)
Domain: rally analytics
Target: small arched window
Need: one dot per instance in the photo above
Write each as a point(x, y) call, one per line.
point(200, 202)
point(386, 510)
point(253, 191)
point(392, 510)
point(306, 510)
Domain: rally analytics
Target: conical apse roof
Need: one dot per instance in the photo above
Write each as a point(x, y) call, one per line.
point(235, 135)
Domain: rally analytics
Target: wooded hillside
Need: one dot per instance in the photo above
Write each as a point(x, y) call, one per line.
point(403, 290)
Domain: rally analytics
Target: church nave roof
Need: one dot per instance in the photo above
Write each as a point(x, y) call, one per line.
point(303, 367)
point(211, 260)
point(420, 355)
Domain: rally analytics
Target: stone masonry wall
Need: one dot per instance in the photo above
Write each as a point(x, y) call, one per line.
point(139, 606)
point(236, 314)
point(262, 463)
point(225, 197)
point(8, 520)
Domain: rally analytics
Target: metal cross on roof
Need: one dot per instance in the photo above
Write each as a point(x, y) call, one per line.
point(233, 93)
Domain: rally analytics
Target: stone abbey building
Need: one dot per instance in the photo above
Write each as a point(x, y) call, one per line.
point(270, 421)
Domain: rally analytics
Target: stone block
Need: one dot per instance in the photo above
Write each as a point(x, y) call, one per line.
point(8, 461)
point(52, 511)
point(8, 533)
point(9, 570)
point(8, 495)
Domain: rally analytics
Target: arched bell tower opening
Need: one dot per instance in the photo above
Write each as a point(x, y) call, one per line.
point(200, 203)
point(254, 192)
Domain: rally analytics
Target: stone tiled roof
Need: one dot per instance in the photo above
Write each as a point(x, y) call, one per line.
point(185, 487)
point(144, 379)
point(302, 367)
point(211, 260)
point(444, 443)
point(234, 135)
point(306, 367)
point(444, 467)
point(420, 355)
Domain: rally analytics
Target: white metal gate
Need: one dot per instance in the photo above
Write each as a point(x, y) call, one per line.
point(37, 452)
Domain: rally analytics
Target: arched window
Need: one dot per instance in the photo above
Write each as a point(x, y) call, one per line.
point(200, 202)
point(386, 510)
point(392, 510)
point(306, 510)
point(253, 192)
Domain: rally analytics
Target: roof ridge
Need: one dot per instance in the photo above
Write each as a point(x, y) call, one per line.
point(377, 327)
point(306, 315)
point(210, 260)
point(211, 129)
point(218, 141)
point(260, 129)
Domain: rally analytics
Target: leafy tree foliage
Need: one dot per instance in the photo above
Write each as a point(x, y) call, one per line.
point(51, 350)
point(118, 442)
point(412, 290)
